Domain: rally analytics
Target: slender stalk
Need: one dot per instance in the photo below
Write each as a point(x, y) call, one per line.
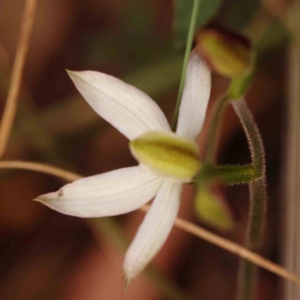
point(186, 59)
point(41, 168)
point(252, 134)
point(213, 133)
point(180, 223)
point(258, 195)
point(17, 74)
point(248, 271)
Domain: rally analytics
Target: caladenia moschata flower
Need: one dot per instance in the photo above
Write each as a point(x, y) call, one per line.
point(166, 159)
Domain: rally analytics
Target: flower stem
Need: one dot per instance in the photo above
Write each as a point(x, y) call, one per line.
point(214, 128)
point(252, 134)
point(186, 59)
point(258, 195)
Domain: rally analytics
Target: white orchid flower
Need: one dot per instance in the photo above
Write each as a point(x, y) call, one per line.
point(166, 160)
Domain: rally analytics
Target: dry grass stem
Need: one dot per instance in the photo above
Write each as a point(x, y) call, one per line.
point(180, 223)
point(17, 74)
point(42, 168)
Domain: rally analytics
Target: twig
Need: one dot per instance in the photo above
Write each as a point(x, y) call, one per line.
point(17, 74)
point(180, 223)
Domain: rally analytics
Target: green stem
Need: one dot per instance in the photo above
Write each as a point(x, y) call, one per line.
point(248, 271)
point(252, 134)
point(236, 174)
point(228, 174)
point(258, 195)
point(214, 128)
point(186, 59)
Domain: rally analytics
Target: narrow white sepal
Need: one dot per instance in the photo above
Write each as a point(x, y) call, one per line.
point(125, 107)
point(113, 193)
point(154, 230)
point(195, 98)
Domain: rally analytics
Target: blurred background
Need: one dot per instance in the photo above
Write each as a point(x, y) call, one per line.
point(47, 255)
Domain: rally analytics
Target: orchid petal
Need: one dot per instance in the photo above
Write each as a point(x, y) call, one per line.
point(113, 193)
point(154, 230)
point(195, 98)
point(125, 107)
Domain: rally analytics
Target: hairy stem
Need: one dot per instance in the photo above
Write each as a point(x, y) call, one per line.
point(252, 134)
point(236, 174)
point(258, 195)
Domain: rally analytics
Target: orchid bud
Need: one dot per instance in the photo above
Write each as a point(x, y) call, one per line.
point(227, 53)
point(211, 207)
point(168, 155)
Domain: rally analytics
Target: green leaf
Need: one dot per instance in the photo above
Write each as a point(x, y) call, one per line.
point(211, 208)
point(183, 11)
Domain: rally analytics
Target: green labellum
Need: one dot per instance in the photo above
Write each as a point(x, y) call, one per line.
point(167, 155)
point(212, 209)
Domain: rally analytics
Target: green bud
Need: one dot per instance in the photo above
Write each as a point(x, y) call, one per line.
point(167, 155)
point(211, 208)
point(225, 52)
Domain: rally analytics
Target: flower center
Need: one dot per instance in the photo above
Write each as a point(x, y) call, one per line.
point(167, 155)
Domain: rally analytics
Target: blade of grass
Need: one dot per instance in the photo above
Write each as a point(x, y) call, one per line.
point(188, 48)
point(207, 9)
